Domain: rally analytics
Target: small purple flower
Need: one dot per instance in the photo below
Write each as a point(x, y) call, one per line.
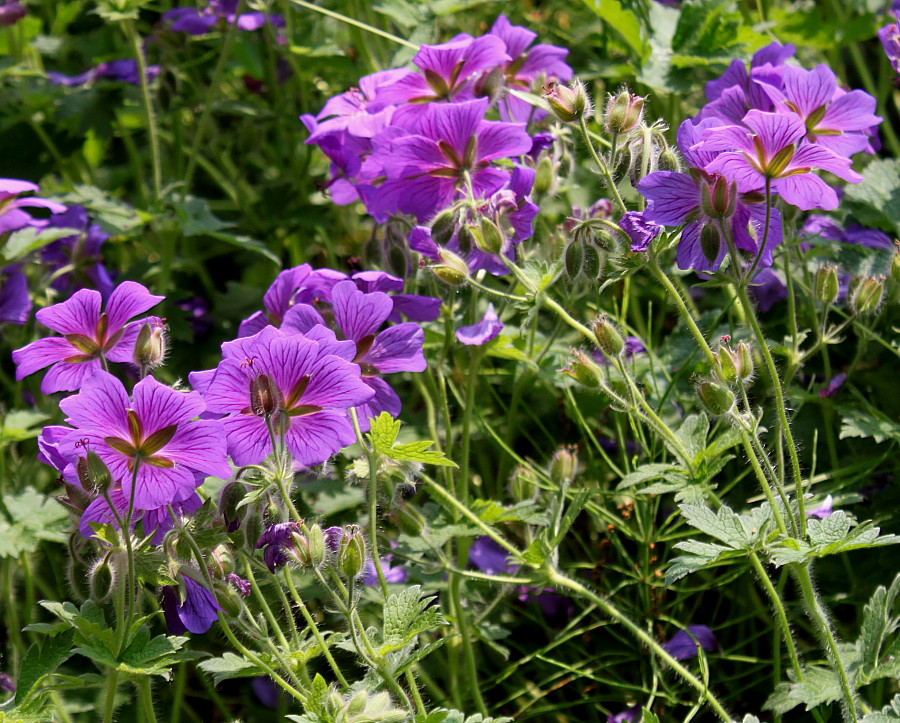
point(295, 383)
point(628, 715)
point(123, 70)
point(639, 230)
point(484, 331)
point(15, 303)
point(683, 644)
point(11, 12)
point(426, 168)
point(240, 584)
point(835, 383)
point(822, 510)
point(392, 575)
point(153, 439)
point(633, 346)
point(889, 35)
point(195, 21)
point(88, 336)
point(490, 558)
point(276, 539)
point(770, 148)
point(12, 203)
point(7, 685)
point(189, 606)
point(78, 255)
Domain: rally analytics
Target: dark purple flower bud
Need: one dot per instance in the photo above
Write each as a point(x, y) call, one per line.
point(639, 230)
point(683, 644)
point(240, 584)
point(189, 606)
point(11, 12)
point(275, 540)
point(835, 383)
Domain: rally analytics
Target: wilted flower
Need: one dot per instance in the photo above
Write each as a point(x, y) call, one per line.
point(189, 606)
point(640, 230)
point(482, 332)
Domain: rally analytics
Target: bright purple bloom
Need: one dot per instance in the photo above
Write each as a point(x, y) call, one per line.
point(153, 439)
point(392, 575)
point(826, 227)
point(78, 254)
point(189, 607)
point(88, 336)
point(11, 12)
point(484, 331)
point(835, 383)
point(426, 169)
point(834, 119)
point(358, 317)
point(201, 21)
point(683, 644)
point(447, 70)
point(772, 149)
point(15, 303)
point(12, 203)
point(823, 510)
point(124, 70)
point(412, 306)
point(275, 539)
point(639, 230)
point(767, 289)
point(889, 35)
point(296, 383)
point(529, 67)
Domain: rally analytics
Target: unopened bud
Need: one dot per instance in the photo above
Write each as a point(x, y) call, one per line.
point(524, 484)
point(488, 237)
point(710, 242)
point(77, 576)
point(452, 269)
point(150, 347)
point(543, 176)
point(827, 286)
point(573, 258)
point(489, 84)
point(745, 361)
point(410, 519)
point(718, 197)
point(583, 370)
point(564, 465)
point(443, 227)
point(300, 549)
point(93, 473)
point(224, 559)
point(351, 552)
point(728, 365)
point(592, 265)
point(624, 112)
point(102, 580)
point(465, 238)
point(867, 295)
point(608, 337)
point(232, 495)
point(264, 396)
point(317, 551)
point(569, 103)
point(228, 597)
point(716, 398)
point(669, 160)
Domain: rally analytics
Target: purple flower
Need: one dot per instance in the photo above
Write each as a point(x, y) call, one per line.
point(834, 119)
point(835, 383)
point(683, 644)
point(189, 606)
point(889, 35)
point(823, 510)
point(412, 306)
point(426, 169)
point(267, 691)
point(702, 200)
point(15, 303)
point(490, 558)
point(157, 521)
point(633, 346)
point(639, 230)
point(11, 12)
point(626, 716)
point(772, 149)
point(12, 203)
point(124, 70)
point(484, 331)
point(240, 584)
point(392, 575)
point(276, 539)
point(88, 336)
point(201, 21)
point(826, 227)
point(152, 439)
point(296, 384)
point(767, 289)
point(78, 255)
point(447, 70)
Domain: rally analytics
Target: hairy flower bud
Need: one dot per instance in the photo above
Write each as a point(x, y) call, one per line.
point(524, 484)
point(543, 177)
point(868, 295)
point(608, 337)
point(564, 465)
point(443, 226)
point(623, 112)
point(569, 103)
point(583, 370)
point(895, 264)
point(102, 580)
point(93, 473)
point(351, 552)
point(452, 269)
point(826, 284)
point(745, 362)
point(231, 497)
point(728, 365)
point(317, 551)
point(715, 398)
point(669, 160)
point(150, 347)
point(410, 519)
point(264, 396)
point(710, 242)
point(488, 237)
point(718, 197)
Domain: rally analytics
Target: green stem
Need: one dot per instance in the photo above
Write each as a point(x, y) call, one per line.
point(780, 613)
point(602, 166)
point(109, 707)
point(558, 579)
point(145, 693)
point(152, 131)
point(355, 23)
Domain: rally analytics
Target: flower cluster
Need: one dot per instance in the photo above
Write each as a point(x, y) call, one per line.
point(419, 142)
point(762, 134)
point(199, 21)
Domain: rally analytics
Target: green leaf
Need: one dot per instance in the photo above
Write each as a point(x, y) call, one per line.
point(23, 242)
point(857, 423)
point(406, 614)
point(418, 452)
point(34, 517)
point(383, 434)
point(889, 714)
point(229, 666)
point(41, 660)
point(620, 21)
point(21, 424)
point(114, 217)
point(878, 623)
point(876, 201)
point(536, 554)
point(647, 472)
point(246, 243)
point(196, 218)
point(692, 434)
point(820, 685)
point(315, 701)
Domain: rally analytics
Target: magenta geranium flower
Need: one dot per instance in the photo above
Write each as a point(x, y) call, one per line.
point(833, 118)
point(12, 204)
point(296, 384)
point(358, 317)
point(89, 337)
point(153, 439)
point(15, 303)
point(771, 148)
point(427, 168)
point(447, 70)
